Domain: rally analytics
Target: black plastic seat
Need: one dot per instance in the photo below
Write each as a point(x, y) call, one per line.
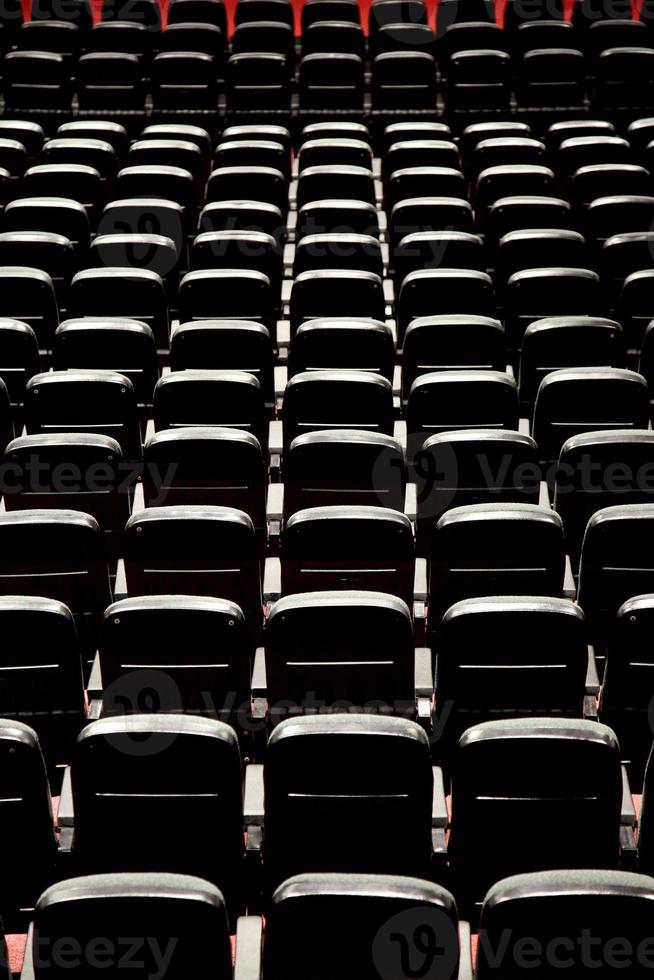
point(27, 815)
point(555, 906)
point(422, 182)
point(72, 181)
point(210, 465)
point(343, 10)
point(623, 77)
point(19, 357)
point(335, 293)
point(189, 776)
point(306, 909)
point(343, 466)
point(273, 10)
point(122, 292)
point(342, 152)
point(43, 684)
point(77, 12)
point(343, 343)
point(155, 903)
point(619, 214)
point(106, 344)
point(633, 307)
point(443, 291)
point(110, 80)
point(331, 80)
point(36, 80)
point(253, 152)
point(447, 400)
point(463, 467)
point(198, 11)
point(56, 554)
point(616, 561)
point(247, 250)
point(567, 342)
point(404, 80)
point(335, 548)
point(551, 77)
point(531, 295)
point(232, 294)
point(144, 12)
point(225, 345)
point(494, 549)
point(145, 216)
point(243, 215)
point(555, 770)
point(28, 295)
point(315, 400)
point(627, 684)
point(130, 37)
point(265, 37)
point(588, 399)
point(176, 661)
point(206, 39)
point(360, 252)
point(357, 768)
point(479, 79)
point(451, 342)
point(89, 402)
point(338, 216)
point(437, 249)
point(229, 399)
point(508, 657)
point(257, 79)
point(524, 213)
point(184, 79)
point(434, 214)
point(106, 499)
point(88, 152)
point(236, 183)
point(308, 648)
point(156, 253)
point(44, 251)
point(339, 37)
point(539, 248)
point(384, 12)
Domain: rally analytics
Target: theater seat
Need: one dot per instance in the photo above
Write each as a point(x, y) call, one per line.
point(307, 909)
point(158, 905)
point(553, 908)
point(561, 775)
point(174, 806)
point(366, 770)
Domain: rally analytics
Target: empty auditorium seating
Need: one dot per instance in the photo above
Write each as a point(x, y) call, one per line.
point(155, 904)
point(326, 394)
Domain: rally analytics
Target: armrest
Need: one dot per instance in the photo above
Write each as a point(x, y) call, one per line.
point(272, 579)
point(399, 433)
point(424, 678)
point(465, 952)
point(569, 584)
point(259, 680)
point(27, 972)
point(275, 502)
point(253, 798)
point(411, 502)
point(66, 815)
point(281, 377)
point(420, 578)
point(592, 677)
point(249, 937)
point(275, 438)
point(120, 587)
point(439, 816)
point(628, 811)
point(94, 686)
point(543, 492)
